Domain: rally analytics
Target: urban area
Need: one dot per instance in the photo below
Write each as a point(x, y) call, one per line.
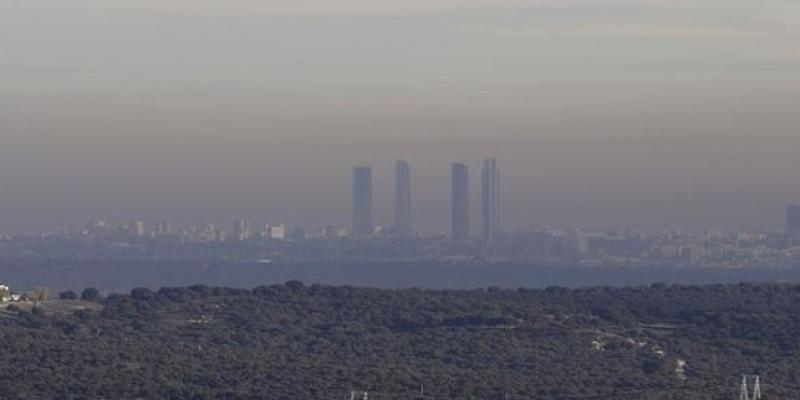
point(243, 240)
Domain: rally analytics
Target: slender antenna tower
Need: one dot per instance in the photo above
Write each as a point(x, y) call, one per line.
point(743, 393)
point(757, 388)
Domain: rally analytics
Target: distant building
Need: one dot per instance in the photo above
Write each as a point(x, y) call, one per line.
point(459, 202)
point(278, 232)
point(328, 232)
point(241, 230)
point(297, 234)
point(362, 201)
point(163, 228)
point(140, 228)
point(793, 220)
point(97, 227)
point(490, 201)
point(135, 228)
point(402, 199)
point(205, 233)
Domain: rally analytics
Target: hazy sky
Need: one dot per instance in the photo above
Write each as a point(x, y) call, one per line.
point(618, 113)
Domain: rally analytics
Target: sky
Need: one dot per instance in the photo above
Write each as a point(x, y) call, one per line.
point(657, 114)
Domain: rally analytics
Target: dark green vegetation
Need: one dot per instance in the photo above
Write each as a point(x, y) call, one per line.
point(316, 342)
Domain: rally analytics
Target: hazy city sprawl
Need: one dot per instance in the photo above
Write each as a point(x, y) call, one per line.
point(471, 239)
point(399, 200)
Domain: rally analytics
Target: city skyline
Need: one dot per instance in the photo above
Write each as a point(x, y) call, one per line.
point(545, 194)
point(283, 242)
point(641, 113)
point(459, 206)
point(243, 229)
point(460, 209)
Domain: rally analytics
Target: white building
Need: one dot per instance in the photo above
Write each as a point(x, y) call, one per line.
point(278, 232)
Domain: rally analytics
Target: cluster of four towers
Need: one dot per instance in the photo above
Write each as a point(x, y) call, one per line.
point(459, 201)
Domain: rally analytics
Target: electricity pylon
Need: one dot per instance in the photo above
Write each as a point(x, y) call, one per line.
point(757, 389)
point(744, 392)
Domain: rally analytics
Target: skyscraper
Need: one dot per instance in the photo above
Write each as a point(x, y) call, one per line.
point(402, 198)
point(241, 230)
point(460, 202)
point(362, 201)
point(490, 201)
point(793, 220)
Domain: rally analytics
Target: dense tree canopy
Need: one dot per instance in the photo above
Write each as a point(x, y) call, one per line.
point(296, 341)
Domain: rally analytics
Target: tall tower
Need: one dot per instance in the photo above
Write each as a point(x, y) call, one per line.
point(241, 230)
point(460, 202)
point(793, 220)
point(362, 201)
point(402, 198)
point(490, 201)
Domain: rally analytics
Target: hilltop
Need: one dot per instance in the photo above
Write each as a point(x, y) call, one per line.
point(294, 341)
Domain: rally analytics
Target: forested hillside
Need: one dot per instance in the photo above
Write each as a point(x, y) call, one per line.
point(318, 342)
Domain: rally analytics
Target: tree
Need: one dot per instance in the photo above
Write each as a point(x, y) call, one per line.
point(322, 341)
point(90, 294)
point(142, 294)
point(68, 295)
point(295, 285)
point(41, 293)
